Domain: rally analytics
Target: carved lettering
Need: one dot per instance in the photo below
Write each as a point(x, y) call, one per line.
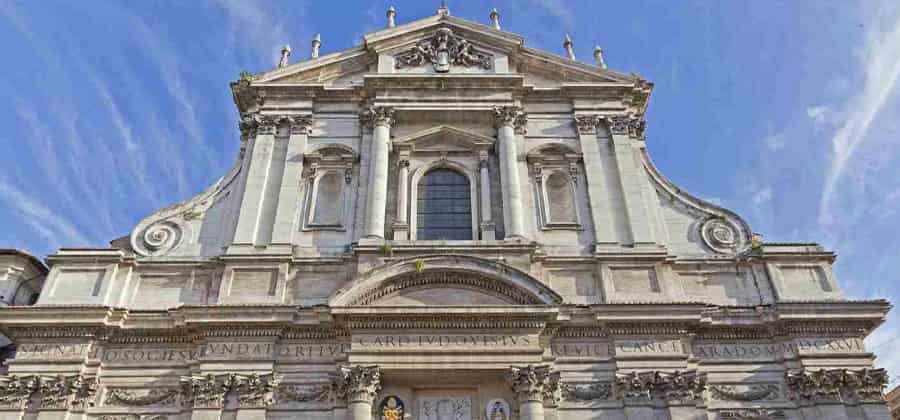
point(829, 345)
point(443, 341)
point(744, 351)
point(632, 347)
point(576, 349)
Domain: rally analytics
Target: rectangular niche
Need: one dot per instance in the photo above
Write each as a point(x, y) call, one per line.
point(804, 281)
point(252, 284)
point(169, 289)
point(576, 286)
point(79, 285)
point(634, 279)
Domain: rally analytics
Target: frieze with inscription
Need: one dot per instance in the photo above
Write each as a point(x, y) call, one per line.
point(648, 347)
point(744, 351)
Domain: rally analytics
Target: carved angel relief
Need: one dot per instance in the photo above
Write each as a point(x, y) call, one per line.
point(443, 50)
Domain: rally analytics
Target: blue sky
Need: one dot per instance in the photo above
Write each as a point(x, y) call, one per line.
point(783, 111)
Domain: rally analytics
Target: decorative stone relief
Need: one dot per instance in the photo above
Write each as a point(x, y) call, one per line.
point(752, 392)
point(377, 115)
point(362, 382)
point(209, 391)
point(625, 125)
point(533, 383)
point(304, 393)
point(587, 392)
point(449, 408)
point(680, 387)
point(497, 409)
point(442, 50)
point(512, 116)
point(140, 398)
point(864, 385)
point(59, 392)
point(720, 235)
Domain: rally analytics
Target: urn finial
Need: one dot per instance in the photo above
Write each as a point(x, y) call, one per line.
point(316, 43)
point(285, 53)
point(567, 44)
point(598, 57)
point(495, 18)
point(391, 16)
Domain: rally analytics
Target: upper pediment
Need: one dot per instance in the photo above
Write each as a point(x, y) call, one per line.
point(441, 45)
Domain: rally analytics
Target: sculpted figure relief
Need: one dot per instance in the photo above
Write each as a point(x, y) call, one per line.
point(443, 50)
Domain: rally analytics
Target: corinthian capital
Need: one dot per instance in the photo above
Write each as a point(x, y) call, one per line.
point(534, 383)
point(510, 116)
point(377, 115)
point(626, 125)
point(587, 124)
point(362, 382)
point(300, 124)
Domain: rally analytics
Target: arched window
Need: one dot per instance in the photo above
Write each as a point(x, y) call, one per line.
point(444, 206)
point(560, 198)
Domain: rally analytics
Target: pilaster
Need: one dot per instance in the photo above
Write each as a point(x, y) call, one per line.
point(623, 129)
point(597, 181)
point(261, 137)
point(288, 207)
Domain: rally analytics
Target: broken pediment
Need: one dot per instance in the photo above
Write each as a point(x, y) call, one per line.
point(443, 138)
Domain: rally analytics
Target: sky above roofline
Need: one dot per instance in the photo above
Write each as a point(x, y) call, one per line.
point(781, 111)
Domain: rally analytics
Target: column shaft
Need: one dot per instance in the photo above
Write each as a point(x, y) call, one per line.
point(514, 218)
point(531, 410)
point(359, 410)
point(378, 181)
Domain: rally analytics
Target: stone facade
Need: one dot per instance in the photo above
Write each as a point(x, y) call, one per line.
point(298, 286)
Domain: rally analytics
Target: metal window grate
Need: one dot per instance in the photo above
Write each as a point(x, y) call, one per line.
point(444, 206)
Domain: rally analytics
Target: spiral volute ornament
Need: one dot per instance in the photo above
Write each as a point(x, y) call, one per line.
point(159, 238)
point(722, 236)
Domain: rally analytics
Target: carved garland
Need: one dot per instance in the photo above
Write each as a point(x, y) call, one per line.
point(131, 398)
point(442, 50)
point(754, 392)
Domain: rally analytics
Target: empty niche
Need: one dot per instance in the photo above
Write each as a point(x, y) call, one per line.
point(634, 279)
point(577, 286)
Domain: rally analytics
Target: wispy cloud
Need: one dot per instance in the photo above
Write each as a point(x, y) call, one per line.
point(558, 9)
point(262, 31)
point(881, 61)
point(41, 218)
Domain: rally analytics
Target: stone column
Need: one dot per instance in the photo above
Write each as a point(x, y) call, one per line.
point(380, 119)
point(287, 212)
point(362, 384)
point(509, 120)
point(401, 224)
point(531, 384)
point(632, 177)
point(261, 148)
point(487, 224)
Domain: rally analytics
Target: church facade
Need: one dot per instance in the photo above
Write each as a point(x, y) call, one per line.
point(442, 223)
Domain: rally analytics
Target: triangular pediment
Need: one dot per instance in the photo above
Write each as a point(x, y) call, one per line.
point(443, 138)
point(350, 66)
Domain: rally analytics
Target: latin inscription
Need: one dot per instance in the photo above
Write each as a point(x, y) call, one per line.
point(442, 341)
point(586, 349)
point(51, 351)
point(227, 351)
point(645, 347)
point(744, 351)
point(829, 345)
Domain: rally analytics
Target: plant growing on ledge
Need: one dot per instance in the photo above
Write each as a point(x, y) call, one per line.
point(386, 249)
point(420, 265)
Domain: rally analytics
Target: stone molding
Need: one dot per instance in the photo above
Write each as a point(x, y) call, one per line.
point(442, 50)
point(55, 392)
point(511, 116)
point(836, 385)
point(377, 115)
point(596, 391)
point(534, 383)
point(445, 278)
point(255, 123)
point(678, 387)
point(753, 414)
point(362, 383)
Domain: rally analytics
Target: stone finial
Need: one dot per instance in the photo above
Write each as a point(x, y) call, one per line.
point(443, 10)
point(391, 17)
point(598, 58)
point(285, 53)
point(495, 18)
point(567, 44)
point(316, 43)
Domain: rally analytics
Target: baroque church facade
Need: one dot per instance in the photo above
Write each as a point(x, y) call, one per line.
point(442, 223)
